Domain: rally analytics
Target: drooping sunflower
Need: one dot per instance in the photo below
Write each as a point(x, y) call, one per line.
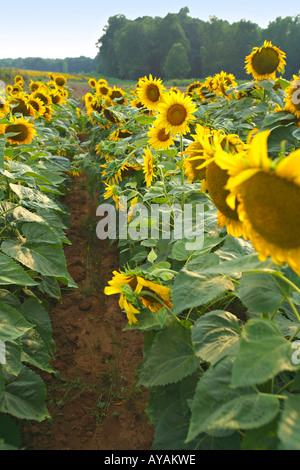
point(120, 134)
point(150, 91)
point(117, 95)
point(264, 61)
point(193, 86)
point(149, 166)
point(222, 82)
point(57, 98)
point(23, 129)
point(214, 178)
point(268, 196)
point(159, 138)
point(20, 105)
point(176, 113)
point(292, 100)
point(112, 191)
point(196, 154)
point(129, 285)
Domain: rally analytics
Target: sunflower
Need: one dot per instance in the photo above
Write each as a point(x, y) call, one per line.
point(129, 285)
point(4, 108)
point(20, 105)
point(34, 86)
point(112, 191)
point(48, 114)
point(60, 80)
point(103, 89)
point(43, 95)
point(120, 134)
point(195, 154)
point(148, 166)
point(192, 87)
point(222, 82)
point(118, 95)
point(176, 113)
point(214, 178)
point(268, 196)
point(92, 83)
point(57, 98)
point(264, 61)
point(19, 80)
point(159, 138)
point(292, 100)
point(150, 91)
point(16, 89)
point(23, 129)
point(102, 81)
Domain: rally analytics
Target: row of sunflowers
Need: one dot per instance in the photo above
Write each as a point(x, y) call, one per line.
point(220, 316)
point(38, 135)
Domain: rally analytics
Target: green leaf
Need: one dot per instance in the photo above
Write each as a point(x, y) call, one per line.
point(193, 288)
point(13, 273)
point(13, 356)
point(9, 431)
point(289, 425)
point(169, 413)
point(263, 438)
point(216, 335)
point(40, 252)
point(35, 352)
point(12, 323)
point(263, 353)
point(33, 198)
point(243, 264)
point(24, 396)
point(260, 300)
point(171, 357)
point(218, 409)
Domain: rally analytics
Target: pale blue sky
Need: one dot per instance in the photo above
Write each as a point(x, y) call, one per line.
point(70, 28)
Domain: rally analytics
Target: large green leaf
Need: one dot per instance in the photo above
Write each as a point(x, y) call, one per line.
point(33, 198)
point(216, 335)
point(13, 273)
point(40, 251)
point(170, 414)
point(264, 300)
point(289, 424)
point(24, 396)
point(35, 352)
point(192, 289)
point(262, 354)
point(219, 409)
point(171, 357)
point(244, 264)
point(12, 323)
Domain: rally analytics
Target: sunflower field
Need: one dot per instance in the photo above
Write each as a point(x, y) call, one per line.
point(37, 131)
point(220, 318)
point(219, 310)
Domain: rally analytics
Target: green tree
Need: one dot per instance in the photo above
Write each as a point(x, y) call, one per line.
point(177, 63)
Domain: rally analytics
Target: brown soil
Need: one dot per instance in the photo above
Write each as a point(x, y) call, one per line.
point(93, 398)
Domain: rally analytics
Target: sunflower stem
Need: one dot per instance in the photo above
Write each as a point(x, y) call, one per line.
point(182, 174)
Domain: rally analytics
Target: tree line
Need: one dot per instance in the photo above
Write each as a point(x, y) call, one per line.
point(179, 46)
point(68, 65)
